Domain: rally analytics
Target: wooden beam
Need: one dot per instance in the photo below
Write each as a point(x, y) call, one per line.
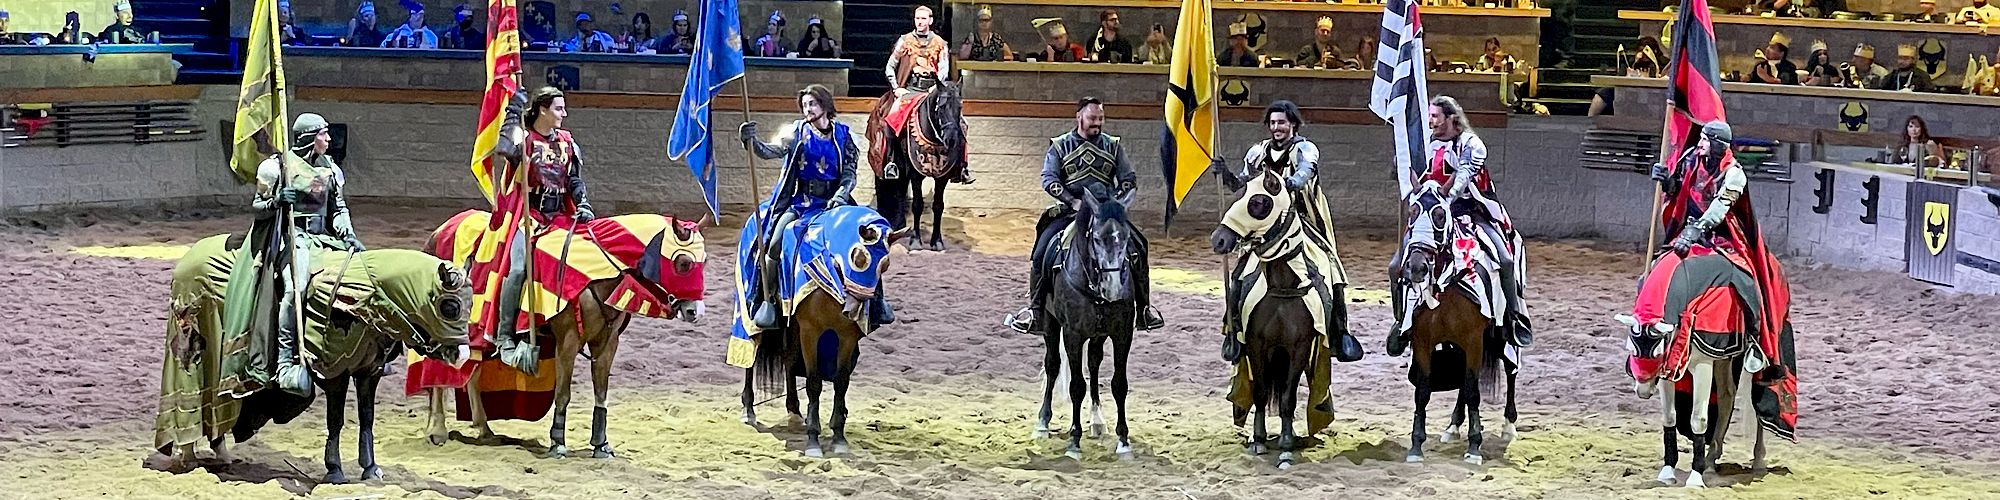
point(101, 94)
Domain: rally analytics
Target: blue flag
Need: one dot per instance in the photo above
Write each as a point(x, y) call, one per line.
point(717, 60)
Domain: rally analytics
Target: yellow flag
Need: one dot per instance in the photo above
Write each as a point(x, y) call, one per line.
point(260, 108)
point(1187, 147)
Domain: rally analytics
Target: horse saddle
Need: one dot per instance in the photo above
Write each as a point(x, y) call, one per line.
point(902, 109)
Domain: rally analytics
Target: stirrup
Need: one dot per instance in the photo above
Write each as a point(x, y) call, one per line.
point(1150, 319)
point(1398, 342)
point(1026, 320)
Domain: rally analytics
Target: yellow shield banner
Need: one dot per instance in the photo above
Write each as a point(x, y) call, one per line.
point(1929, 246)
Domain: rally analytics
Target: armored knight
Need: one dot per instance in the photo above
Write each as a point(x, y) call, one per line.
point(820, 162)
point(308, 183)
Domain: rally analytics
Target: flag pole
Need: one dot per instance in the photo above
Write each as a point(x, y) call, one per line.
point(755, 187)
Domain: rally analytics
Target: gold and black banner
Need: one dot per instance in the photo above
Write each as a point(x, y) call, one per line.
point(1930, 243)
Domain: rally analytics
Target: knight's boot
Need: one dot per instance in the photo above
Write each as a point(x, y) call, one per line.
point(964, 175)
point(1398, 340)
point(1232, 349)
point(765, 314)
point(1030, 319)
point(879, 312)
point(1142, 293)
point(292, 375)
point(1519, 332)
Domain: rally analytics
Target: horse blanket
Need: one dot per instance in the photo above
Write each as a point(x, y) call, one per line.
point(835, 251)
point(1298, 243)
point(1708, 292)
point(351, 300)
point(638, 250)
point(1470, 270)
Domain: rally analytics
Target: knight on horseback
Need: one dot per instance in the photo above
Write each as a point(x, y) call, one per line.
point(557, 196)
point(1083, 162)
point(1458, 163)
point(315, 190)
point(820, 162)
point(919, 61)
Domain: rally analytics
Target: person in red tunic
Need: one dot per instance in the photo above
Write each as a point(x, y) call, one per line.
point(557, 196)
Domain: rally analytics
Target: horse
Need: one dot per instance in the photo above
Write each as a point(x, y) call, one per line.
point(1703, 352)
point(1453, 344)
point(360, 310)
point(1296, 285)
point(1092, 302)
point(629, 265)
point(840, 257)
point(931, 144)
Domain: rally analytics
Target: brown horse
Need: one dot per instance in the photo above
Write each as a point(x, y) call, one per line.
point(930, 145)
point(657, 261)
point(1452, 342)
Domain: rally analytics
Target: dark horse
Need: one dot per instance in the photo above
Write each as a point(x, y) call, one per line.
point(821, 337)
point(1092, 302)
point(1452, 344)
point(1281, 341)
point(931, 145)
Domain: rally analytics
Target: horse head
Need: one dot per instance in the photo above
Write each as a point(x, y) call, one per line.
point(674, 261)
point(1425, 243)
point(857, 240)
point(1105, 243)
point(944, 120)
point(1261, 201)
point(427, 307)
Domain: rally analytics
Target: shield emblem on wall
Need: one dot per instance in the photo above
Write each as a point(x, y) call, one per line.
point(1854, 116)
point(1937, 226)
point(1928, 246)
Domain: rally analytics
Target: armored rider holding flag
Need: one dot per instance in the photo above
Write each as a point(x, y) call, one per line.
point(308, 183)
point(557, 196)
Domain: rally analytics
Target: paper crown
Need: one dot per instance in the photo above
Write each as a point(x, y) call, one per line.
point(1818, 45)
point(121, 6)
point(680, 15)
point(1050, 27)
point(1779, 38)
point(985, 12)
point(1325, 22)
point(583, 16)
point(777, 17)
point(813, 20)
point(1239, 29)
point(1906, 50)
point(1864, 50)
point(366, 8)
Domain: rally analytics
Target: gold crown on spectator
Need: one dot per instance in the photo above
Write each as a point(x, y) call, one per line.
point(985, 12)
point(1818, 45)
point(1325, 22)
point(1239, 29)
point(1050, 27)
point(1864, 50)
point(1906, 50)
point(1648, 54)
point(1779, 38)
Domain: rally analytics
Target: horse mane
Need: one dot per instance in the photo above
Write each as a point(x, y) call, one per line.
point(1110, 210)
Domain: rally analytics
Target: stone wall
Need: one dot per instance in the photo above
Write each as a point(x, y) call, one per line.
point(1147, 88)
point(1451, 37)
point(461, 70)
point(125, 175)
point(70, 70)
point(330, 17)
point(1841, 238)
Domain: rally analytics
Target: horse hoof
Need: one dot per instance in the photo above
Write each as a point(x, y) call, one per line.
point(371, 473)
point(1695, 482)
point(437, 439)
point(1474, 459)
point(1074, 453)
point(1757, 466)
point(1413, 458)
point(1285, 461)
point(1668, 476)
point(1450, 434)
point(1254, 449)
point(334, 477)
point(1509, 432)
point(1041, 433)
point(604, 451)
point(749, 419)
point(795, 420)
point(557, 451)
point(1124, 450)
point(815, 453)
point(841, 449)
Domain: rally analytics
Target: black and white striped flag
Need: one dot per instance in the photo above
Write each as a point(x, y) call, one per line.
point(1400, 96)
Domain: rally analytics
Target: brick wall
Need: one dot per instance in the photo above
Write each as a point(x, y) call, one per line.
point(124, 175)
point(70, 70)
point(1451, 37)
point(1807, 111)
point(330, 17)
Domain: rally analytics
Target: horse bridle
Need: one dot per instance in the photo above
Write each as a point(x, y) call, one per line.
point(931, 149)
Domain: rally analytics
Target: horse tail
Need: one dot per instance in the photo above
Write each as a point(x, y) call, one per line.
point(1268, 377)
point(773, 361)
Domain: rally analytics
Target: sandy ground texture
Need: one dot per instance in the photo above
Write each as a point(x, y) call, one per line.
point(1898, 397)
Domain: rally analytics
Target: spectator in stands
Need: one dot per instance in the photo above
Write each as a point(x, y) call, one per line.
point(288, 33)
point(1495, 59)
point(1238, 53)
point(464, 33)
point(1979, 13)
point(1107, 46)
point(361, 31)
point(7, 34)
point(984, 44)
point(1158, 49)
point(1907, 76)
point(1929, 14)
point(1776, 68)
point(638, 37)
point(588, 38)
point(1820, 71)
point(72, 30)
point(817, 44)
point(1645, 64)
point(1056, 46)
point(680, 40)
point(1986, 80)
point(1321, 53)
point(1917, 146)
point(1861, 72)
point(413, 34)
point(121, 31)
point(1797, 8)
point(1364, 53)
point(772, 44)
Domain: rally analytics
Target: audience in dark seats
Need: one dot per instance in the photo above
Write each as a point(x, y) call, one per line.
point(1907, 76)
point(1820, 71)
point(984, 44)
point(361, 31)
point(1980, 12)
point(122, 30)
point(1321, 53)
point(1861, 72)
point(288, 32)
point(1930, 14)
point(1158, 49)
point(1917, 145)
point(1107, 46)
point(1056, 46)
point(7, 34)
point(817, 44)
point(680, 40)
point(638, 38)
point(1776, 68)
point(464, 32)
point(1238, 53)
point(772, 44)
point(588, 38)
point(413, 34)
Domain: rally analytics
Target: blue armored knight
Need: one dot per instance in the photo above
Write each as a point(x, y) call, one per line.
point(820, 161)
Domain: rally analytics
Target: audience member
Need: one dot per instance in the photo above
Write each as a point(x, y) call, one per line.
point(1986, 81)
point(817, 44)
point(7, 34)
point(361, 31)
point(1321, 53)
point(680, 40)
point(1907, 76)
point(1776, 66)
point(1820, 71)
point(288, 32)
point(72, 30)
point(1364, 53)
point(1158, 50)
point(1861, 72)
point(413, 34)
point(588, 38)
point(122, 30)
point(1930, 14)
point(1107, 46)
point(1980, 12)
point(1917, 146)
point(1238, 53)
point(1496, 60)
point(772, 44)
point(1645, 64)
point(638, 38)
point(1056, 46)
point(984, 44)
point(464, 32)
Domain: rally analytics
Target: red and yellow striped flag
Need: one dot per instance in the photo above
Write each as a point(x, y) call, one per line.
point(503, 183)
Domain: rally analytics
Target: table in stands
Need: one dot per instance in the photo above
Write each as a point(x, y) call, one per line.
point(1147, 84)
point(70, 66)
point(466, 69)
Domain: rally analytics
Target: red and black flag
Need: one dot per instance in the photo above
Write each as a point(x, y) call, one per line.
point(1694, 98)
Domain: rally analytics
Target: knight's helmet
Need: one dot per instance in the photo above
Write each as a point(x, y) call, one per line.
point(1719, 132)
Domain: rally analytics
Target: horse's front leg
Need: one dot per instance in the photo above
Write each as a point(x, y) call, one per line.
point(364, 403)
point(1074, 346)
point(1703, 372)
point(1051, 375)
point(750, 397)
point(436, 407)
point(812, 414)
point(916, 197)
point(605, 351)
point(1475, 434)
point(1421, 378)
point(1672, 454)
point(336, 416)
point(1121, 350)
point(1288, 403)
point(1096, 353)
point(482, 431)
point(846, 373)
point(567, 347)
point(937, 213)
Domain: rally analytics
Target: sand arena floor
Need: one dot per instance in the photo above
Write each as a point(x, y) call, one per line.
point(1898, 397)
